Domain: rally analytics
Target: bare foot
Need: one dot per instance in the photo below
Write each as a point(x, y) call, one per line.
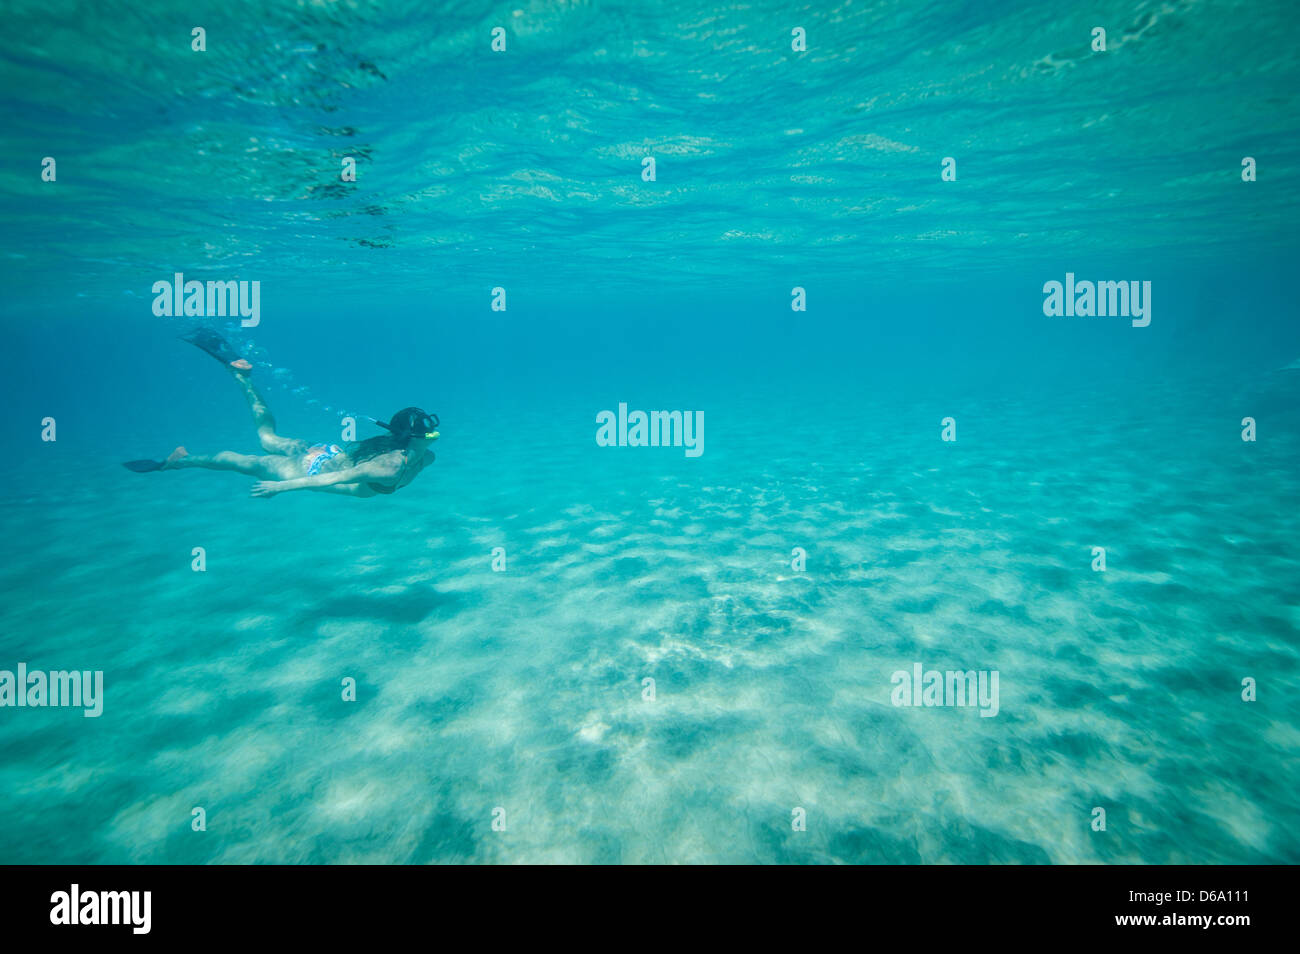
point(173, 457)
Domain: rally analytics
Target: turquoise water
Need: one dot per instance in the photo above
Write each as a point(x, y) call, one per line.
point(522, 690)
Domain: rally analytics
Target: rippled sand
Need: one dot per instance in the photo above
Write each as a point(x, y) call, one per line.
point(523, 689)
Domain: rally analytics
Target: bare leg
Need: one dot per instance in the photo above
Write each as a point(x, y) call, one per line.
point(271, 467)
point(265, 422)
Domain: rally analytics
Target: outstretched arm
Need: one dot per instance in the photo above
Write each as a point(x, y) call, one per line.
point(370, 470)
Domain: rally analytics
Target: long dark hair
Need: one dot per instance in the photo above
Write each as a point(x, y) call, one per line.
point(374, 447)
point(402, 428)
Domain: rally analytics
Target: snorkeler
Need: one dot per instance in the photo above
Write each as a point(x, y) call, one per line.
point(380, 465)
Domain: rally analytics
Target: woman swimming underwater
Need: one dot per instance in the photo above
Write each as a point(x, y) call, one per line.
point(380, 465)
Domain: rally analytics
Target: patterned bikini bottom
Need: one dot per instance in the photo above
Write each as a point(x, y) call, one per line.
point(318, 454)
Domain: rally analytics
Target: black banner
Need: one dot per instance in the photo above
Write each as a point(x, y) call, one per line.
point(329, 904)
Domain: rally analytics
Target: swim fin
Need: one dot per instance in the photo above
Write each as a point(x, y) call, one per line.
point(143, 466)
point(211, 342)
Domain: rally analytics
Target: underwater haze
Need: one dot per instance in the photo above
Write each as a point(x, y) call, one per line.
point(916, 453)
